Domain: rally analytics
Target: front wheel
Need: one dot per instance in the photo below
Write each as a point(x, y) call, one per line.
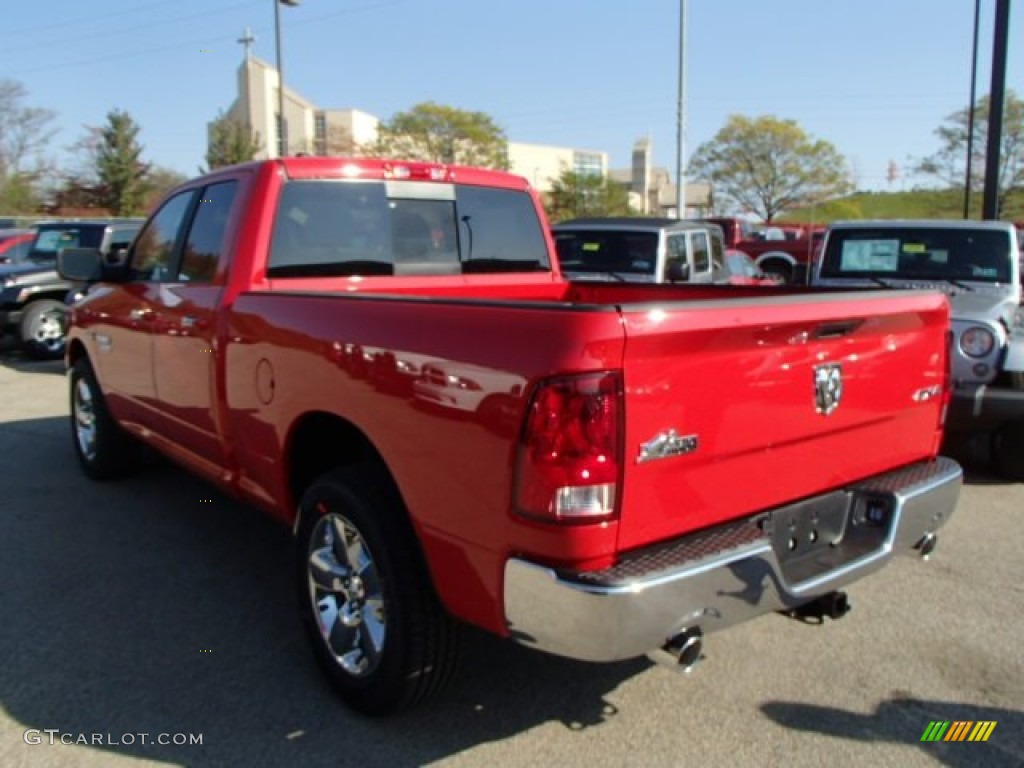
point(44, 329)
point(103, 448)
point(366, 598)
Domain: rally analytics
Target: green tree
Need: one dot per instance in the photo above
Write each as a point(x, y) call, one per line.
point(160, 181)
point(229, 142)
point(768, 165)
point(121, 175)
point(25, 133)
point(438, 134)
point(949, 163)
point(585, 194)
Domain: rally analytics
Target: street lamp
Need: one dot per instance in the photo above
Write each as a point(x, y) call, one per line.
point(681, 119)
point(282, 125)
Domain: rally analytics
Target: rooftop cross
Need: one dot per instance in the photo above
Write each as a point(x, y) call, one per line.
point(247, 40)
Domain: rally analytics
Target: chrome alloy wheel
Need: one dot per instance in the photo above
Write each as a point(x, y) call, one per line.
point(345, 592)
point(85, 420)
point(50, 331)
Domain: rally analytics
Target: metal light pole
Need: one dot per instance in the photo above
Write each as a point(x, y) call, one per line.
point(681, 119)
point(970, 113)
point(993, 148)
point(282, 124)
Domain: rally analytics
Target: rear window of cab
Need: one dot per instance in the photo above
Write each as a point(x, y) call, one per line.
point(355, 227)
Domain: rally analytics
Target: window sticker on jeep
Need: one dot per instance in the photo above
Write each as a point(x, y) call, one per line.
point(914, 248)
point(870, 255)
point(591, 246)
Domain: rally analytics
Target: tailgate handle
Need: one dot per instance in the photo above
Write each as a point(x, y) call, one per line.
point(836, 330)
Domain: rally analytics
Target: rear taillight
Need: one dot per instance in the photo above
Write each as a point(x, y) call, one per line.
point(570, 452)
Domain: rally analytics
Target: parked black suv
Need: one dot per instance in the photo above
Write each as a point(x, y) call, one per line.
point(32, 293)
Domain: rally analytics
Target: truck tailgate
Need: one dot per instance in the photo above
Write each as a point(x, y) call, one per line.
point(738, 405)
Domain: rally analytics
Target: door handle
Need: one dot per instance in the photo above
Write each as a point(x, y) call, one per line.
point(142, 313)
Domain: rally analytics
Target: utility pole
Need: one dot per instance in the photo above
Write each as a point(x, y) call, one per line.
point(1000, 41)
point(681, 119)
point(282, 123)
point(970, 113)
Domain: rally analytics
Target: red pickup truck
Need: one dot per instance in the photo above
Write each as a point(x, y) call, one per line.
point(386, 357)
point(784, 252)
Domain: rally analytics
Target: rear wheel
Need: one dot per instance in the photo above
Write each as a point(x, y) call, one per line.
point(43, 329)
point(777, 268)
point(1008, 450)
point(376, 625)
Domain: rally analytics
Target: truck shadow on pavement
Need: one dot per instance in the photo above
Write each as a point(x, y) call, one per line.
point(903, 719)
point(157, 605)
point(11, 358)
point(973, 454)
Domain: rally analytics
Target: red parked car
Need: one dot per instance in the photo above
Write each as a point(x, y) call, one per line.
point(740, 269)
point(15, 244)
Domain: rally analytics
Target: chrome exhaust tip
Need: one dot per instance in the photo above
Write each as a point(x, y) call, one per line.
point(682, 652)
point(927, 545)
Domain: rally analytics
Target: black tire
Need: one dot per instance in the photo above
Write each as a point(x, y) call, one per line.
point(778, 268)
point(1008, 450)
point(43, 329)
point(104, 450)
point(378, 630)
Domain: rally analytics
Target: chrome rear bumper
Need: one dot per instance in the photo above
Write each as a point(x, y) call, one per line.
point(731, 573)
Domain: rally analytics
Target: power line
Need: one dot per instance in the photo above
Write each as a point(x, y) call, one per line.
point(92, 36)
point(194, 42)
point(81, 19)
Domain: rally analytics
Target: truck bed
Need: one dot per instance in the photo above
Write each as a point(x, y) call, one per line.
point(730, 367)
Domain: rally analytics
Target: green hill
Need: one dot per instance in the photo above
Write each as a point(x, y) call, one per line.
point(919, 204)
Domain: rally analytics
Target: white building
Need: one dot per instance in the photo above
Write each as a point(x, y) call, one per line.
point(316, 131)
point(311, 130)
point(541, 165)
point(651, 191)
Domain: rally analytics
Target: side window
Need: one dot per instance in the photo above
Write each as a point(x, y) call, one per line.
point(701, 252)
point(675, 256)
point(206, 235)
point(717, 250)
point(154, 248)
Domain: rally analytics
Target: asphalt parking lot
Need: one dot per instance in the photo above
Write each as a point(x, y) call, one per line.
point(159, 606)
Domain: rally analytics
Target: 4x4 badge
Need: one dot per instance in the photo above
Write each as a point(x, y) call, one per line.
point(828, 387)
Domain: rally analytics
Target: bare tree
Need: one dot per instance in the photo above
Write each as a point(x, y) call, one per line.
point(25, 133)
point(948, 165)
point(338, 141)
